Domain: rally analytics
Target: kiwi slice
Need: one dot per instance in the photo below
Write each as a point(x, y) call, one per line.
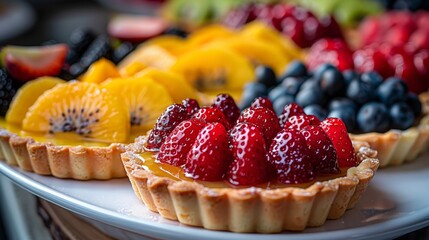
point(81, 108)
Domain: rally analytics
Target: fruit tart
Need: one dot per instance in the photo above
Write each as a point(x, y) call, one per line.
point(382, 112)
point(78, 129)
point(220, 169)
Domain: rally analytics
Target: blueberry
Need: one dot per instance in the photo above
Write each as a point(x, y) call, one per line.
point(342, 103)
point(251, 91)
point(414, 102)
point(122, 51)
point(360, 92)
point(266, 76)
point(392, 90)
point(277, 92)
point(315, 110)
point(295, 69)
point(176, 31)
point(281, 102)
point(401, 116)
point(349, 76)
point(309, 84)
point(322, 68)
point(80, 39)
point(373, 79)
point(309, 96)
point(292, 85)
point(348, 115)
point(332, 82)
point(373, 117)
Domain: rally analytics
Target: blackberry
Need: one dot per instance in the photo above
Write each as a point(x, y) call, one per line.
point(122, 51)
point(7, 91)
point(99, 48)
point(80, 39)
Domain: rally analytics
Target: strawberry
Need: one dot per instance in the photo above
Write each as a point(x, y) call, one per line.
point(264, 119)
point(290, 157)
point(191, 105)
point(301, 121)
point(249, 166)
point(228, 107)
point(209, 156)
point(26, 63)
point(337, 133)
point(177, 145)
point(290, 110)
point(322, 151)
point(165, 124)
point(263, 102)
point(212, 114)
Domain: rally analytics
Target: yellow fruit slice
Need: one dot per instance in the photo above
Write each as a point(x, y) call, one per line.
point(258, 52)
point(264, 32)
point(175, 84)
point(209, 34)
point(132, 69)
point(81, 108)
point(100, 71)
point(214, 68)
point(172, 44)
point(149, 55)
point(145, 100)
point(27, 95)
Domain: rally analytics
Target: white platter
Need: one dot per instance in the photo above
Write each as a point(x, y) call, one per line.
point(396, 202)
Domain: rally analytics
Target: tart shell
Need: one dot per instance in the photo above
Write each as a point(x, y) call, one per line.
point(250, 209)
point(396, 147)
point(76, 162)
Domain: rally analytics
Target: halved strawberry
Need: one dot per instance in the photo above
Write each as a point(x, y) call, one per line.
point(136, 28)
point(301, 121)
point(290, 110)
point(290, 157)
point(264, 119)
point(263, 102)
point(165, 124)
point(211, 115)
point(322, 151)
point(209, 156)
point(337, 132)
point(177, 145)
point(250, 163)
point(27, 63)
point(228, 107)
point(191, 105)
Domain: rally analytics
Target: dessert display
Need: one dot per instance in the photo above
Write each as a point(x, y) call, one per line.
point(248, 172)
point(379, 111)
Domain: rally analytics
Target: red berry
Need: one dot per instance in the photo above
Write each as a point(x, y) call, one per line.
point(370, 59)
point(397, 35)
point(294, 29)
point(421, 62)
point(250, 164)
point(262, 102)
point(290, 157)
point(264, 119)
point(420, 39)
point(337, 133)
point(333, 51)
point(406, 70)
point(165, 124)
point(301, 121)
point(370, 30)
point(209, 156)
point(228, 107)
point(331, 27)
point(290, 110)
point(321, 149)
point(211, 115)
point(191, 105)
point(177, 145)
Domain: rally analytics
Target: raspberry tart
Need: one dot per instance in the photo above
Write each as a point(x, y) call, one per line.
point(220, 169)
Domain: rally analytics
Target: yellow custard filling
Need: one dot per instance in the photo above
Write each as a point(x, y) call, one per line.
point(149, 163)
point(60, 138)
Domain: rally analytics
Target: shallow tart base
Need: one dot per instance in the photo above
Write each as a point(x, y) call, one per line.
point(250, 209)
point(76, 162)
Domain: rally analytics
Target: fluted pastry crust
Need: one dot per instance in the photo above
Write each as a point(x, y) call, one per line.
point(76, 162)
point(250, 209)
